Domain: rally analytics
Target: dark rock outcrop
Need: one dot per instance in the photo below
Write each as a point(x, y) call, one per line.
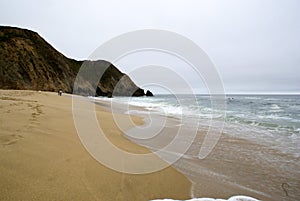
point(149, 93)
point(27, 61)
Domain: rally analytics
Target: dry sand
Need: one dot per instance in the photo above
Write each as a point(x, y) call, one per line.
point(42, 158)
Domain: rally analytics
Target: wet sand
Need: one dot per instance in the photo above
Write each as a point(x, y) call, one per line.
point(42, 158)
point(235, 166)
point(241, 167)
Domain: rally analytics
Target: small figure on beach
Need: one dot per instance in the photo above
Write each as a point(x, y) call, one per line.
point(59, 92)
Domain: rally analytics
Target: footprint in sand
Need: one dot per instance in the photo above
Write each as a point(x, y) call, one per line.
point(10, 139)
point(37, 111)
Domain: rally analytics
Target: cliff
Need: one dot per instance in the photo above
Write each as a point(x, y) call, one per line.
point(27, 61)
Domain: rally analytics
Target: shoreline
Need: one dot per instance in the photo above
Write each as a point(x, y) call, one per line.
point(236, 166)
point(42, 157)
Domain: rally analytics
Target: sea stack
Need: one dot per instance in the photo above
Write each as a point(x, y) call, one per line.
point(149, 93)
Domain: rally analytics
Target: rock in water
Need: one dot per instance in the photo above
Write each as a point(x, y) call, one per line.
point(149, 93)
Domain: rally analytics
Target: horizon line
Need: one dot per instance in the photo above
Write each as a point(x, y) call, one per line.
point(207, 94)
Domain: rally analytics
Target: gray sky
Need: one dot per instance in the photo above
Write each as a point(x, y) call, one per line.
point(255, 44)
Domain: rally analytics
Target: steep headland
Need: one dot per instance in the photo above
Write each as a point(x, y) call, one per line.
point(29, 62)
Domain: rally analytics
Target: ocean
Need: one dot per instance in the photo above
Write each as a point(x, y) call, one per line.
point(268, 165)
point(270, 119)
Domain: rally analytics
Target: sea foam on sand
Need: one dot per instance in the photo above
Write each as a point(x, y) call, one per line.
point(234, 198)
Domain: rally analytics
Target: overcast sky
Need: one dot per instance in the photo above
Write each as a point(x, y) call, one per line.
point(254, 44)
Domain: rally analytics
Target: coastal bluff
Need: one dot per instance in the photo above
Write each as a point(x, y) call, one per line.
point(28, 62)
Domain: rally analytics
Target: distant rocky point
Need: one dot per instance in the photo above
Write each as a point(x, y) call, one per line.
point(149, 93)
point(28, 62)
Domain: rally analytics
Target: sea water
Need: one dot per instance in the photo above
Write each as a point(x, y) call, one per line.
point(268, 119)
point(271, 120)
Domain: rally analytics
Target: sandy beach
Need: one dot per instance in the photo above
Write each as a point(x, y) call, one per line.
point(42, 158)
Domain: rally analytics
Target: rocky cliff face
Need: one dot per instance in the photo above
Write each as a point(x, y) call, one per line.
point(27, 61)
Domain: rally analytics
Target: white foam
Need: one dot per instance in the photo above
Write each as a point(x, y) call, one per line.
point(275, 107)
point(294, 136)
point(252, 98)
point(273, 116)
point(234, 198)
